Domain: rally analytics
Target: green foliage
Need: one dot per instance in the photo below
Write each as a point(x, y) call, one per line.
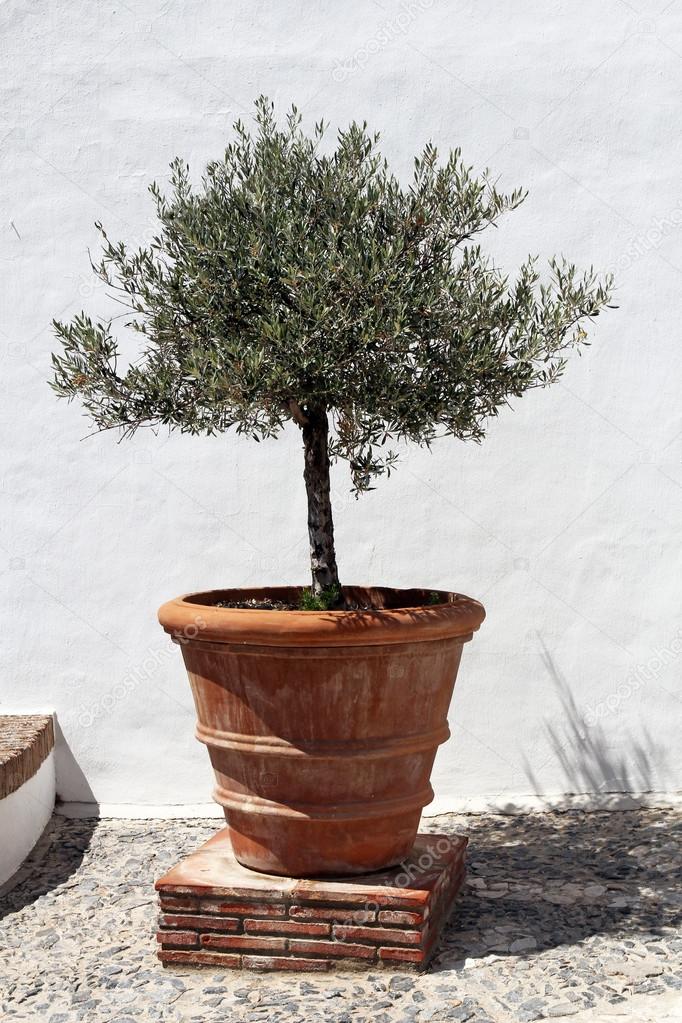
point(327, 600)
point(293, 278)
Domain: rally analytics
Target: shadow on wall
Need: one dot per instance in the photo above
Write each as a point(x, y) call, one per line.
point(589, 764)
point(538, 881)
point(72, 785)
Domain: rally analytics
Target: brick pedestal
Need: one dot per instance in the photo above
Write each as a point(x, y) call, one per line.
point(215, 912)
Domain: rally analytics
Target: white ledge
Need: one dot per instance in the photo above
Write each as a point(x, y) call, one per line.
point(503, 804)
point(24, 815)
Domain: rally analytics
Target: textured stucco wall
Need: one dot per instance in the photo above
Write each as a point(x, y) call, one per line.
point(567, 522)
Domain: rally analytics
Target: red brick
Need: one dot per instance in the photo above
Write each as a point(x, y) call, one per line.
point(174, 883)
point(180, 905)
point(402, 955)
point(378, 934)
point(459, 875)
point(201, 958)
point(278, 963)
point(430, 941)
point(333, 948)
point(242, 908)
point(399, 916)
point(286, 927)
point(390, 898)
point(186, 939)
point(243, 941)
point(337, 914)
point(215, 923)
point(427, 882)
point(287, 922)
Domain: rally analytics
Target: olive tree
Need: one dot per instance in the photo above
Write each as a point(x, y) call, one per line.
point(301, 282)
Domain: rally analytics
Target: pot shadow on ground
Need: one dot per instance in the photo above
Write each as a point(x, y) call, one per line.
point(519, 865)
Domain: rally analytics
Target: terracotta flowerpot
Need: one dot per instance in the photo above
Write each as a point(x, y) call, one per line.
point(322, 727)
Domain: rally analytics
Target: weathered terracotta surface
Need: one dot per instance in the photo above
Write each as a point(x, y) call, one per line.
point(322, 727)
point(215, 912)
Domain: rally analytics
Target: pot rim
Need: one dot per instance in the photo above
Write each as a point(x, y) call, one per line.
point(194, 618)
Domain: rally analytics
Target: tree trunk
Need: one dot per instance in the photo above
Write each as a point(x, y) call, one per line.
point(320, 524)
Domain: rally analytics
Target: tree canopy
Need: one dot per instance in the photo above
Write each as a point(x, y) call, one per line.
point(292, 278)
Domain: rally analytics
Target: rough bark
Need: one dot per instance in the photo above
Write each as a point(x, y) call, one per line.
point(320, 523)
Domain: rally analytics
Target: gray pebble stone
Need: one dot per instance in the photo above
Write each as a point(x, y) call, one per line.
point(575, 920)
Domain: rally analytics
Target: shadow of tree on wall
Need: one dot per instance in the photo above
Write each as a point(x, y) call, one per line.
point(580, 745)
point(548, 879)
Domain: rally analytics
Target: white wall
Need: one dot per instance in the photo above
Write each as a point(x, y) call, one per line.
point(567, 522)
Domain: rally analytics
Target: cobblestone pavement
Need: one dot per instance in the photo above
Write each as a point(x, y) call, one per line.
point(575, 914)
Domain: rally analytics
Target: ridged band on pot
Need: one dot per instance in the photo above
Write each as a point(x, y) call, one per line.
point(322, 727)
